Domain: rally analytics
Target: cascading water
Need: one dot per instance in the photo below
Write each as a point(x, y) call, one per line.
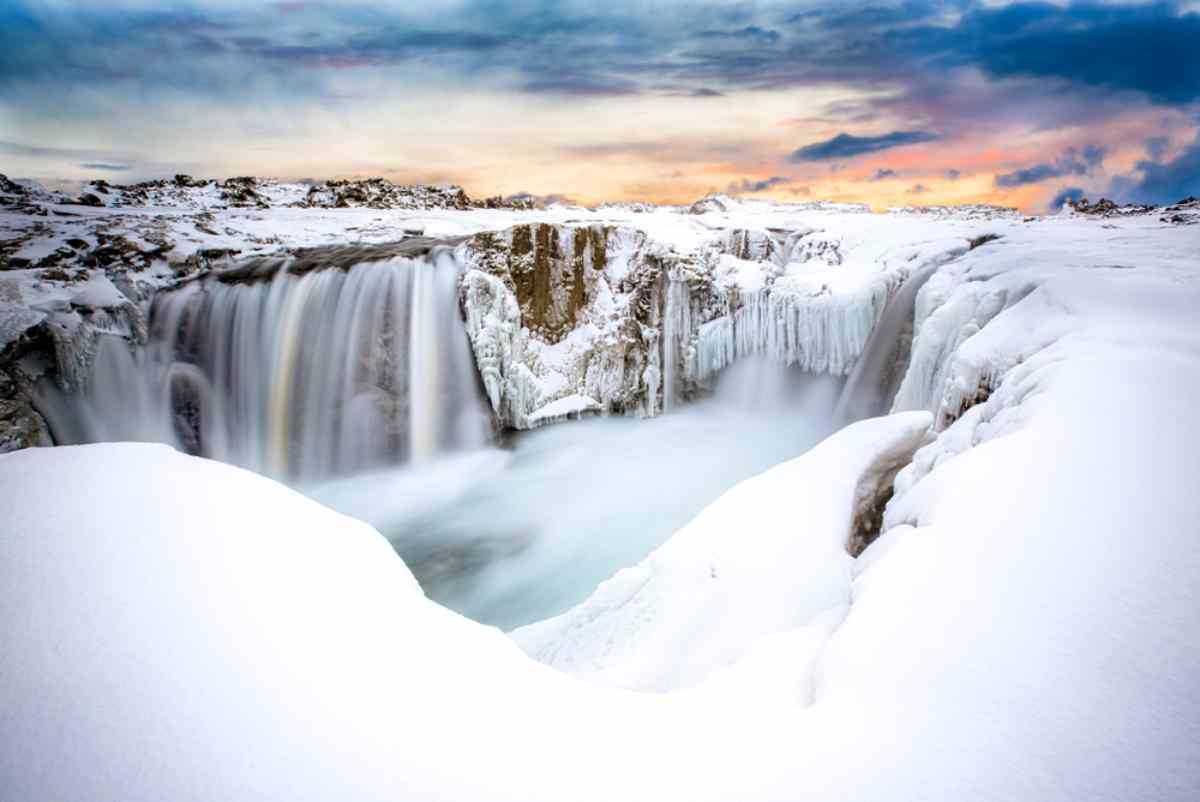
point(878, 373)
point(336, 362)
point(676, 332)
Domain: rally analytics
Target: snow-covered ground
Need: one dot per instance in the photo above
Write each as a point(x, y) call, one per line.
point(1025, 627)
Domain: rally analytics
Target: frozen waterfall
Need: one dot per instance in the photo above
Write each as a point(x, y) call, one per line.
point(325, 364)
point(877, 375)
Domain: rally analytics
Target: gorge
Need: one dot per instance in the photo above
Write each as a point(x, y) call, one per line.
point(712, 489)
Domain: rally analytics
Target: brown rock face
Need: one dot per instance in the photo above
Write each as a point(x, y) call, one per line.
point(21, 427)
point(874, 490)
point(552, 272)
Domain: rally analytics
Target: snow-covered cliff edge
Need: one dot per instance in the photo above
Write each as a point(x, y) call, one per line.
point(615, 310)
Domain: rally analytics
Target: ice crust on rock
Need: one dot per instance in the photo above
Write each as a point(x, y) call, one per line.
point(655, 315)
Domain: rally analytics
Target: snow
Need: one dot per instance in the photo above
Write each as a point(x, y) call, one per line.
point(1027, 627)
point(743, 570)
point(563, 408)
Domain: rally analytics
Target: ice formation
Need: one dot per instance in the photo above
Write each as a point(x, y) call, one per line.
point(652, 320)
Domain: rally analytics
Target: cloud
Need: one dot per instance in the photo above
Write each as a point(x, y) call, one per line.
point(747, 185)
point(847, 146)
point(1146, 47)
point(581, 86)
point(751, 34)
point(1072, 162)
point(881, 174)
point(917, 189)
point(1068, 194)
point(116, 168)
point(953, 175)
point(1162, 182)
point(1156, 147)
point(41, 152)
point(210, 46)
point(972, 71)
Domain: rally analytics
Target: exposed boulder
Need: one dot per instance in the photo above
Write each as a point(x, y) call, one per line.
point(710, 203)
point(21, 427)
point(1107, 208)
point(242, 191)
point(379, 193)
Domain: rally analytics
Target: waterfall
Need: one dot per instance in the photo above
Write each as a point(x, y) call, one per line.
point(878, 373)
point(299, 369)
point(676, 339)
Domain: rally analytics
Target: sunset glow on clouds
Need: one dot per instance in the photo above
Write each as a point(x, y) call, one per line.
point(890, 103)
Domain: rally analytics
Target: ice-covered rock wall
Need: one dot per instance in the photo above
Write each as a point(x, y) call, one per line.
point(574, 318)
point(50, 328)
point(618, 310)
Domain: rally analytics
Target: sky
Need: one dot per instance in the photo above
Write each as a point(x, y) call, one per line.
point(886, 102)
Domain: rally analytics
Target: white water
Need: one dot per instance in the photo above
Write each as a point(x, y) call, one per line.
point(877, 374)
point(510, 537)
point(300, 377)
point(676, 332)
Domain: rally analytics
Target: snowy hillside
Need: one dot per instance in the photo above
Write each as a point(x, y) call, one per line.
point(988, 595)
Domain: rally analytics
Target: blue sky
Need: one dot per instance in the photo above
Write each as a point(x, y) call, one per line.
point(952, 100)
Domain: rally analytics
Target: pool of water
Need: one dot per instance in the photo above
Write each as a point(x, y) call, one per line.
point(511, 536)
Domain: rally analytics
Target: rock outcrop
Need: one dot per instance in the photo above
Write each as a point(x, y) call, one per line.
point(565, 312)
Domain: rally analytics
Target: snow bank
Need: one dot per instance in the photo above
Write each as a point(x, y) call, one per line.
point(186, 630)
point(767, 557)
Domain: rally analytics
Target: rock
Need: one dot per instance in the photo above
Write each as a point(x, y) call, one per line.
point(21, 427)
point(1107, 208)
point(9, 187)
point(379, 193)
point(711, 203)
point(876, 486)
point(591, 311)
point(241, 191)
